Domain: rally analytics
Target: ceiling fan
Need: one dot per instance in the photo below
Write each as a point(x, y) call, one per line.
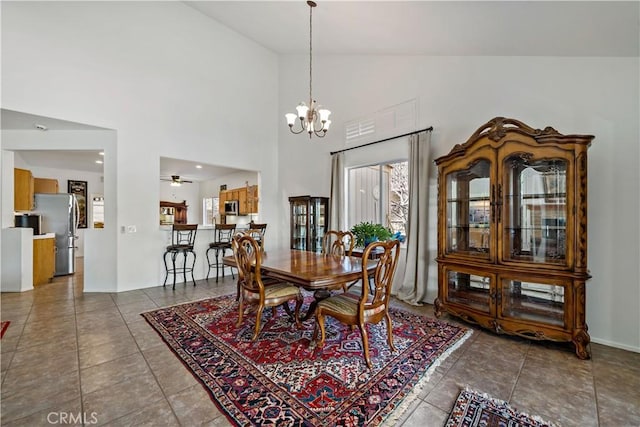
point(176, 181)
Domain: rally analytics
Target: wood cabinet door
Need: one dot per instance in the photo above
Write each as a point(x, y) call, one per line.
point(44, 260)
point(243, 209)
point(45, 185)
point(22, 190)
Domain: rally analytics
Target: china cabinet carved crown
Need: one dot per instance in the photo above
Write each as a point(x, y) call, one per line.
point(512, 232)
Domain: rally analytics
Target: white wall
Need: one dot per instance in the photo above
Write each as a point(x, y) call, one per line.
point(169, 80)
point(456, 95)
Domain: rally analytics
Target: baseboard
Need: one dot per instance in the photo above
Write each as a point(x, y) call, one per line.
point(615, 344)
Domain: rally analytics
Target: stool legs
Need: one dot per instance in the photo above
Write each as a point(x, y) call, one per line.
point(219, 265)
point(184, 268)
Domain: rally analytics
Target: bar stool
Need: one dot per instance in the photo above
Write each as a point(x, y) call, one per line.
point(257, 232)
point(222, 242)
point(183, 237)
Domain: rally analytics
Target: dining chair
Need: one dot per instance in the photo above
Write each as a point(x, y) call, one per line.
point(183, 237)
point(248, 257)
point(337, 242)
point(370, 307)
point(258, 235)
point(223, 234)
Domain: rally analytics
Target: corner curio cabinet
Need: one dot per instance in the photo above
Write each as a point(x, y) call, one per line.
point(512, 232)
point(309, 222)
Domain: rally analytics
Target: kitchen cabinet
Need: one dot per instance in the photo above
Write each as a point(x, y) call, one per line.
point(23, 186)
point(512, 232)
point(247, 198)
point(44, 259)
point(45, 185)
point(309, 222)
point(173, 212)
point(252, 199)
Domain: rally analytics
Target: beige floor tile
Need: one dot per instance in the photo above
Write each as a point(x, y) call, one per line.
point(113, 372)
point(158, 414)
point(425, 415)
point(25, 401)
point(193, 406)
point(65, 413)
point(115, 401)
point(104, 352)
point(170, 372)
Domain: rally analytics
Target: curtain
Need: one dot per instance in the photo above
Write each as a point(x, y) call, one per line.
point(336, 202)
point(411, 285)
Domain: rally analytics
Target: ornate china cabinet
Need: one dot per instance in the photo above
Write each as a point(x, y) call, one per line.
point(512, 232)
point(309, 222)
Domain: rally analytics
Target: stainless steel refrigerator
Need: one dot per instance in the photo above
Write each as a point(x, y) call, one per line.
point(60, 216)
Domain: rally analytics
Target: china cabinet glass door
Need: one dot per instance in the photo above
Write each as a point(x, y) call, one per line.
point(534, 301)
point(535, 210)
point(470, 290)
point(317, 225)
point(299, 229)
point(468, 210)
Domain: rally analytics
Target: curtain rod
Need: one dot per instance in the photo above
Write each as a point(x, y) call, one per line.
point(429, 129)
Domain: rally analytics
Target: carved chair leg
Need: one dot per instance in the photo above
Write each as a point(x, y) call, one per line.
point(389, 331)
point(365, 344)
point(320, 323)
point(240, 312)
point(258, 317)
point(296, 314)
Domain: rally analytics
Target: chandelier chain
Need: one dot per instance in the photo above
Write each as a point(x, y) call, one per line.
point(310, 54)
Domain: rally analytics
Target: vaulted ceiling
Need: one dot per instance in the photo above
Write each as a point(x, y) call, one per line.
point(452, 28)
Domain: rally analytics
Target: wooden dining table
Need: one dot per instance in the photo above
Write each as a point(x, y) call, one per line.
point(312, 271)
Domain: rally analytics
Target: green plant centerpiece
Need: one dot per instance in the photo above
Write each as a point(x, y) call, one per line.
point(367, 232)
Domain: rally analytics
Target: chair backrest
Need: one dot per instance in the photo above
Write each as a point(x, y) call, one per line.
point(224, 233)
point(257, 232)
point(184, 235)
point(336, 242)
point(248, 257)
point(382, 276)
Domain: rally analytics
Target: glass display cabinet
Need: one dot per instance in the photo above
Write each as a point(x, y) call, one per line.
point(512, 232)
point(309, 222)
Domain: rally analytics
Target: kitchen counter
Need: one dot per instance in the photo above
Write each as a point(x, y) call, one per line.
point(44, 236)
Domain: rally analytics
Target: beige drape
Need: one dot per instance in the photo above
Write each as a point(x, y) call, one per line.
point(411, 285)
point(336, 202)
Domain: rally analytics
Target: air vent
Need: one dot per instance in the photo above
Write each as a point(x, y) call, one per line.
point(359, 129)
point(393, 120)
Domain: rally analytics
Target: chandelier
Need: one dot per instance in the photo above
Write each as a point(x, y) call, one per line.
point(313, 120)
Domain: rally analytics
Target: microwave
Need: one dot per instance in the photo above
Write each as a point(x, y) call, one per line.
point(29, 221)
point(231, 207)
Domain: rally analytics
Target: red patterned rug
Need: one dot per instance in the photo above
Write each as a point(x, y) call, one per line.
point(3, 327)
point(280, 379)
point(474, 409)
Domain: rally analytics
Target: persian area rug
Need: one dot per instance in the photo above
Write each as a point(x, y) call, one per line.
point(281, 379)
point(478, 409)
point(3, 327)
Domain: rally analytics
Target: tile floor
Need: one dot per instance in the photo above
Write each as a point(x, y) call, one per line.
point(67, 353)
